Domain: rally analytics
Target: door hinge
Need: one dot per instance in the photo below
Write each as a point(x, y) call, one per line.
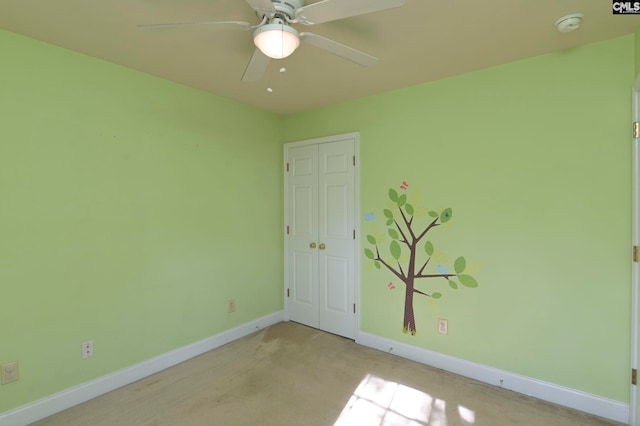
point(354, 234)
point(288, 293)
point(287, 166)
point(287, 229)
point(636, 254)
point(634, 376)
point(354, 160)
point(354, 308)
point(636, 130)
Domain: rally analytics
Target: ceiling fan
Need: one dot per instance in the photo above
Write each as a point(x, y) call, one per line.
point(276, 38)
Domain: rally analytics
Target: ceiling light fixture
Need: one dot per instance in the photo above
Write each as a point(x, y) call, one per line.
point(276, 40)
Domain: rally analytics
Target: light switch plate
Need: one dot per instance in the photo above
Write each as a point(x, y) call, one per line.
point(443, 326)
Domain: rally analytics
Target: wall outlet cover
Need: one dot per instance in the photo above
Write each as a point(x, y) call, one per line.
point(87, 349)
point(10, 372)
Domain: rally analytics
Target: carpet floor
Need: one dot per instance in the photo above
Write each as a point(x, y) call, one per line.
point(289, 374)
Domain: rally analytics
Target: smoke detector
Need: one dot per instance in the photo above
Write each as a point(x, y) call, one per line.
point(569, 23)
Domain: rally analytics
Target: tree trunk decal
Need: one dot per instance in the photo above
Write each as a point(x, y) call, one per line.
point(409, 324)
point(405, 237)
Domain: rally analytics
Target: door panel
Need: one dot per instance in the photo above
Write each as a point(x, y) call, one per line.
point(337, 289)
point(303, 165)
point(303, 272)
point(335, 211)
point(336, 223)
point(304, 219)
point(303, 216)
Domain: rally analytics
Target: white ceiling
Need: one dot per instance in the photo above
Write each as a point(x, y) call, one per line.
point(423, 41)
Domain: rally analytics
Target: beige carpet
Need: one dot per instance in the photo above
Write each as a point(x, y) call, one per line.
point(290, 374)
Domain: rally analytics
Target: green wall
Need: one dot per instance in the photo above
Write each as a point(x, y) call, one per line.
point(131, 210)
point(636, 45)
point(534, 159)
point(129, 204)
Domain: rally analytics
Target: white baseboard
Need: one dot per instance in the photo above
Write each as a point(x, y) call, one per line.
point(68, 398)
point(589, 403)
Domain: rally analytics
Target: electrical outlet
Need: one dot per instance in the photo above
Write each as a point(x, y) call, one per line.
point(9, 372)
point(232, 306)
point(87, 349)
point(443, 326)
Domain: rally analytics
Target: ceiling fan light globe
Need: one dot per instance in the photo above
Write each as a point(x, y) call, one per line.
point(276, 41)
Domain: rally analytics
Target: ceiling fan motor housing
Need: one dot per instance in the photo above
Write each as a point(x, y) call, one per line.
point(288, 7)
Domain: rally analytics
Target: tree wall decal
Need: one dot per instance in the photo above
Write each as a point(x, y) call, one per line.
point(404, 237)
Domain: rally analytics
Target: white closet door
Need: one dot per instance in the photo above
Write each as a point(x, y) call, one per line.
point(303, 235)
point(321, 243)
point(336, 237)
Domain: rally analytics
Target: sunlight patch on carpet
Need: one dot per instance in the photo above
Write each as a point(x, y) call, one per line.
point(382, 402)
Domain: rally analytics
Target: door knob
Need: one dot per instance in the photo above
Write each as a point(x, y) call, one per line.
point(312, 245)
point(322, 246)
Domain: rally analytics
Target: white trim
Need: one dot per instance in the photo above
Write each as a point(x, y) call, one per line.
point(333, 138)
point(589, 403)
point(357, 262)
point(285, 216)
point(636, 83)
point(324, 139)
point(78, 394)
point(635, 294)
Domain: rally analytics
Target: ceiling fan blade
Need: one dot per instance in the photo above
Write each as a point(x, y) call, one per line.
point(216, 25)
point(261, 6)
point(256, 67)
point(332, 10)
point(339, 49)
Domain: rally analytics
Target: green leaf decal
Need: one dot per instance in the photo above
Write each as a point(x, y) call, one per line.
point(393, 195)
point(395, 249)
point(390, 222)
point(377, 264)
point(409, 209)
point(468, 281)
point(428, 247)
point(402, 200)
point(453, 285)
point(445, 215)
point(388, 213)
point(393, 234)
point(368, 253)
point(433, 214)
point(459, 265)
point(436, 295)
point(371, 239)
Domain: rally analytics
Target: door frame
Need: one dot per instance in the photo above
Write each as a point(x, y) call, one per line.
point(356, 194)
point(634, 404)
